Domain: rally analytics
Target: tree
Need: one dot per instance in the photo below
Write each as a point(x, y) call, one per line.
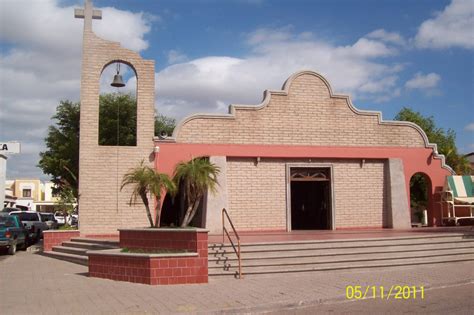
point(117, 119)
point(198, 176)
point(145, 180)
point(61, 158)
point(445, 140)
point(164, 124)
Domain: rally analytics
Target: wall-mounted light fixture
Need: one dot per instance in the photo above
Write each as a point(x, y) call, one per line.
point(257, 160)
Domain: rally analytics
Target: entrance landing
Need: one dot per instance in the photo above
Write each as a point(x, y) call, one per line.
point(310, 235)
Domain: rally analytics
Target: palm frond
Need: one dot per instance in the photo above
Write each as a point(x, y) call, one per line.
point(145, 180)
point(198, 175)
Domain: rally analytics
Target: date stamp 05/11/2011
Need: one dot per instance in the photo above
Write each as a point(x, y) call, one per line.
point(396, 292)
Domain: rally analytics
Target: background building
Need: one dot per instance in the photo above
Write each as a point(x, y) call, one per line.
point(30, 194)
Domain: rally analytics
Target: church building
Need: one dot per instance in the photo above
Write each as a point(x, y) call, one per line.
point(305, 158)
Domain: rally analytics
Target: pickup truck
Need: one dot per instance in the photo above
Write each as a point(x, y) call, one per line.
point(33, 224)
point(13, 234)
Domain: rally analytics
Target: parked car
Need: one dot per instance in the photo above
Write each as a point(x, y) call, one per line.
point(59, 216)
point(33, 224)
point(7, 210)
point(13, 234)
point(49, 219)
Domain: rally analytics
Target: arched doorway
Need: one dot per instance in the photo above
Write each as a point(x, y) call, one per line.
point(420, 191)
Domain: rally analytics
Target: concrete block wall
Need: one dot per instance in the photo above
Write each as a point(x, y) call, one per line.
point(103, 208)
point(257, 192)
point(360, 193)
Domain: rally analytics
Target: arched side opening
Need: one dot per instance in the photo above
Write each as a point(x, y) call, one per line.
point(118, 105)
point(420, 199)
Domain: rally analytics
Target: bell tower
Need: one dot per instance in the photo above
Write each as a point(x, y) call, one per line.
point(103, 208)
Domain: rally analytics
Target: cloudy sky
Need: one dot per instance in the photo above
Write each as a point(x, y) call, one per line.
point(385, 54)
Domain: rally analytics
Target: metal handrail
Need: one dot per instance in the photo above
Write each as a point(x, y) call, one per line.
point(225, 232)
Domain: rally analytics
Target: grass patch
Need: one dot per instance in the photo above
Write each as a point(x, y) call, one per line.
point(67, 227)
point(177, 227)
point(153, 251)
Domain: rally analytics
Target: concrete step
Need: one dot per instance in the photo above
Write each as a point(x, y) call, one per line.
point(320, 255)
point(351, 243)
point(343, 265)
point(310, 252)
point(315, 260)
point(99, 241)
point(71, 250)
point(75, 251)
point(90, 246)
point(77, 259)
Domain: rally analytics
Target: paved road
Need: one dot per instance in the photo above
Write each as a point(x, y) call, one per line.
point(31, 283)
point(451, 299)
point(3, 254)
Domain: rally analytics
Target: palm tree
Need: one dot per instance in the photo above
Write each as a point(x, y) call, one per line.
point(197, 176)
point(146, 180)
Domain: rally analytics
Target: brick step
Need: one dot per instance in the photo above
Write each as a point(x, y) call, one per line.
point(350, 243)
point(96, 241)
point(299, 261)
point(90, 246)
point(77, 259)
point(303, 251)
point(344, 265)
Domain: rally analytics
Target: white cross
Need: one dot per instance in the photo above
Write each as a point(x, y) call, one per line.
point(88, 13)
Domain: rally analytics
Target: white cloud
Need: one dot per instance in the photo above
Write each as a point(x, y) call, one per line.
point(175, 56)
point(388, 37)
point(125, 27)
point(469, 127)
point(40, 65)
point(453, 27)
point(421, 81)
point(268, 35)
point(205, 84)
point(367, 48)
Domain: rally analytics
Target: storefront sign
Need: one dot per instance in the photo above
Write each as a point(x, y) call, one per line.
point(9, 147)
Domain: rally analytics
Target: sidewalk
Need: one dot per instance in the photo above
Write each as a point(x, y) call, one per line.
point(31, 283)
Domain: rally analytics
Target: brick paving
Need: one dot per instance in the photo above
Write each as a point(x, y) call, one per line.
point(31, 283)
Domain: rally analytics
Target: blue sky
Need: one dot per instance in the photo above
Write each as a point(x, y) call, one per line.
point(385, 54)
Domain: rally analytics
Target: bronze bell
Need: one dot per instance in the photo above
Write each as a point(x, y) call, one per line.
point(117, 82)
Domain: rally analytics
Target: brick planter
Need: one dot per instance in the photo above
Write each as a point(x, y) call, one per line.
point(169, 268)
point(179, 268)
point(54, 238)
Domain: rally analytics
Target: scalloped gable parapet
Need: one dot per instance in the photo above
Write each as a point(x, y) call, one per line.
point(304, 112)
